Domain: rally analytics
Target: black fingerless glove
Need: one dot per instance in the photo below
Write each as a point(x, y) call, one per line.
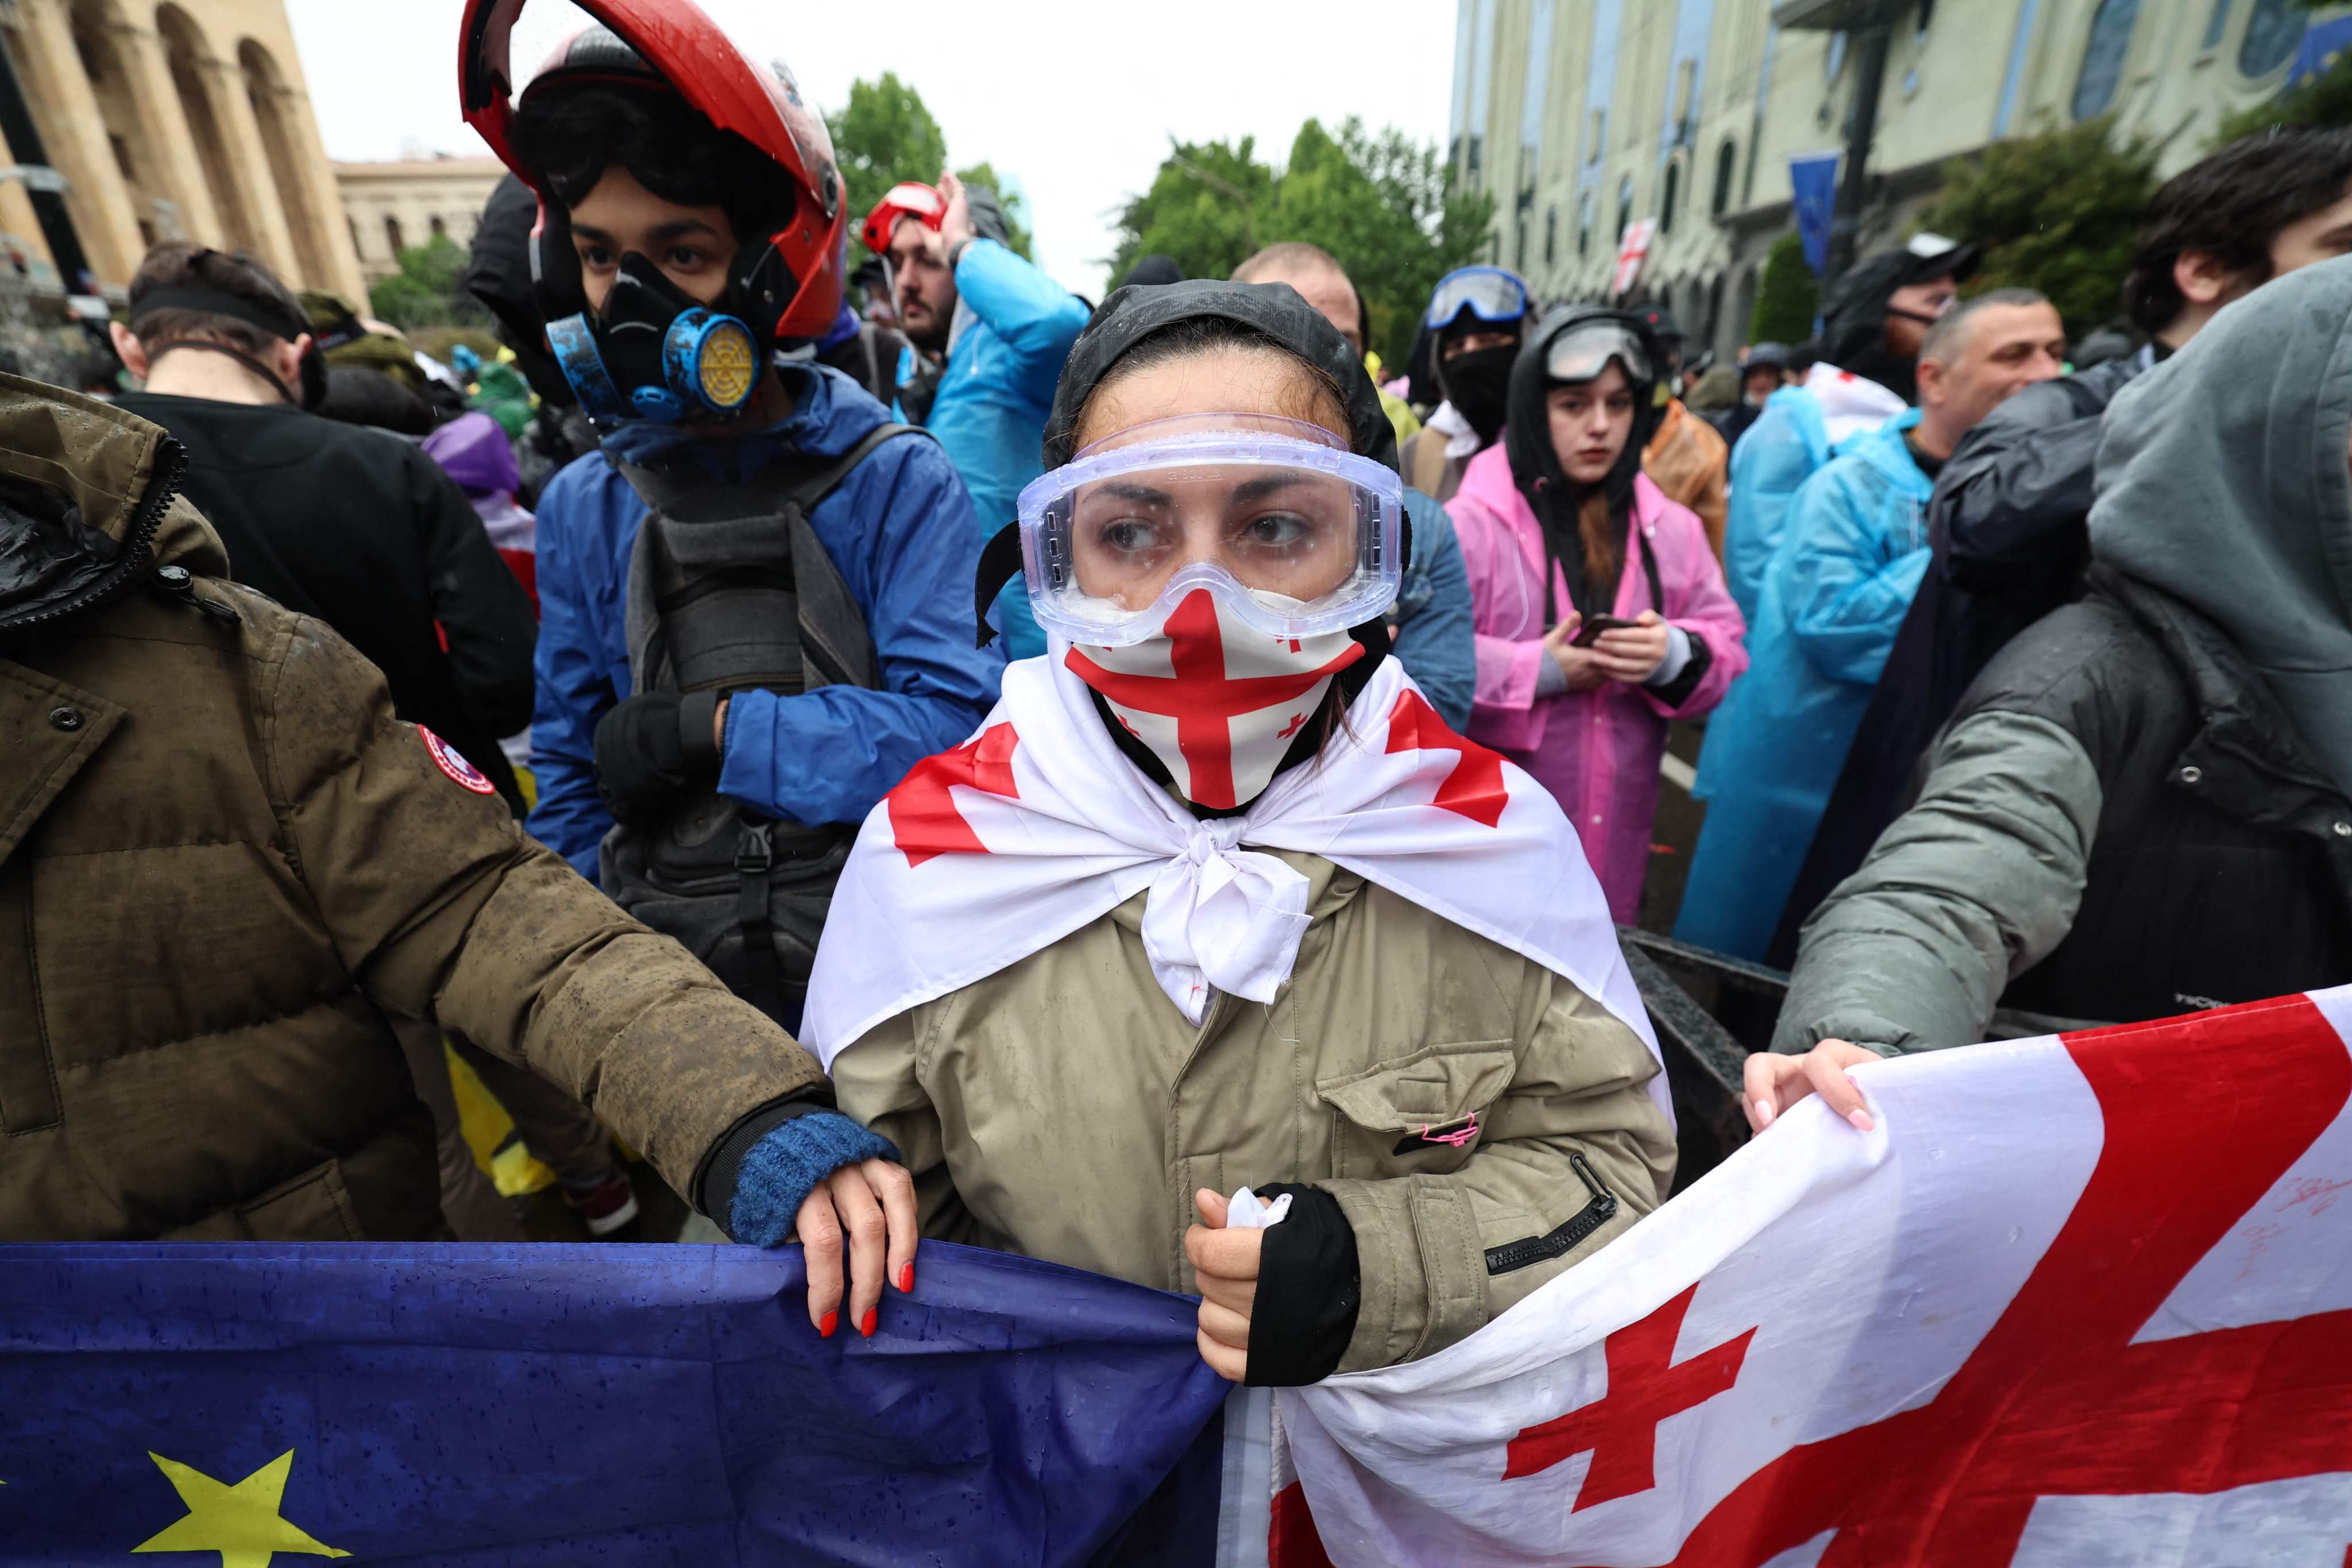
point(1308, 1289)
point(649, 747)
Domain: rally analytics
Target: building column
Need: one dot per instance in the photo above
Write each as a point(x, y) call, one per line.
point(74, 133)
point(169, 142)
point(322, 199)
point(248, 164)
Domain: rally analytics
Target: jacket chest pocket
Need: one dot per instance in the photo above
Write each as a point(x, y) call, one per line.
point(28, 1082)
point(1418, 1114)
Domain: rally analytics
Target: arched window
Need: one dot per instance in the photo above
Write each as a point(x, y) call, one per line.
point(392, 234)
point(2103, 57)
point(1551, 235)
point(440, 225)
point(1624, 206)
point(2216, 25)
point(1584, 223)
point(1674, 191)
point(2271, 34)
point(1727, 164)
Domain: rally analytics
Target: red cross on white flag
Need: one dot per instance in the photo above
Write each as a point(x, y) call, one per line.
point(2076, 1303)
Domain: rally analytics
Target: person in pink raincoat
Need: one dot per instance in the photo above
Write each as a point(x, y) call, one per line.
point(1560, 528)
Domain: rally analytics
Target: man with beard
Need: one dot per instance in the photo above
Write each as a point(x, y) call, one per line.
point(1477, 314)
point(987, 332)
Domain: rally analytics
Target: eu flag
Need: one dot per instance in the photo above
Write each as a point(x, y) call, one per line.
point(548, 1405)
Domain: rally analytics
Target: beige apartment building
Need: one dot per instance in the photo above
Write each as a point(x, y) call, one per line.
point(1583, 116)
point(184, 120)
point(393, 205)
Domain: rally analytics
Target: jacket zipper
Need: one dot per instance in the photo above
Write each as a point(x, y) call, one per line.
point(1558, 1243)
point(137, 542)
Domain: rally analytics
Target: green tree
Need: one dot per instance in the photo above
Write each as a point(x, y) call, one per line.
point(885, 136)
point(1379, 202)
point(2057, 212)
point(425, 292)
point(1787, 295)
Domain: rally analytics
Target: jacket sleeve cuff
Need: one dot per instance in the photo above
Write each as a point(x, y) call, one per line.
point(1675, 689)
point(1307, 1291)
point(723, 1164)
point(1423, 1268)
point(697, 719)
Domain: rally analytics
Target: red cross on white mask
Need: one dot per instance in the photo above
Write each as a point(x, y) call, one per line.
point(1217, 702)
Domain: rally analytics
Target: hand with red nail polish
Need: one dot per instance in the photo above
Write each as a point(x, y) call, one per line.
point(1773, 1082)
point(867, 1211)
point(866, 1324)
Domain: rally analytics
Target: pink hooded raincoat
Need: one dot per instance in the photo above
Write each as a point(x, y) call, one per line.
point(1596, 750)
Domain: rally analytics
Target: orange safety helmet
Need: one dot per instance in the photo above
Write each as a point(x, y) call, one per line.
point(786, 284)
point(906, 199)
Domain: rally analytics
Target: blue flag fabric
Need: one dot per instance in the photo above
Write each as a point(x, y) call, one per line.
point(1813, 190)
point(564, 1405)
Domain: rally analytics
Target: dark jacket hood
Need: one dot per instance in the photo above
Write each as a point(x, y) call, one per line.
point(2224, 482)
point(1134, 313)
point(86, 503)
point(1535, 465)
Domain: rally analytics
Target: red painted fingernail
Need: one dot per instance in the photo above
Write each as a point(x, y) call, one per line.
point(825, 1325)
point(907, 1280)
point(866, 1324)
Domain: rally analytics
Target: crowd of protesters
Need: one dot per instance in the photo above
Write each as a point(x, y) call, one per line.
point(915, 753)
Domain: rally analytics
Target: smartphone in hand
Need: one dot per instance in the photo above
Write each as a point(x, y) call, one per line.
point(1590, 632)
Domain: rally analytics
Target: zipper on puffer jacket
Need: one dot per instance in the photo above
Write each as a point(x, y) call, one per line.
point(1558, 1243)
point(137, 542)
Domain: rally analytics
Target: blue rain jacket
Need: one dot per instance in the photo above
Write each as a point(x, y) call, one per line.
point(1833, 597)
point(995, 392)
point(900, 528)
point(1431, 631)
point(1770, 462)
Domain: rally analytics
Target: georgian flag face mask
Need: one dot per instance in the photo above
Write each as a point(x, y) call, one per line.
point(1205, 571)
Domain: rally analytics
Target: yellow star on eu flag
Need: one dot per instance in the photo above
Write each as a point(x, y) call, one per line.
point(240, 1522)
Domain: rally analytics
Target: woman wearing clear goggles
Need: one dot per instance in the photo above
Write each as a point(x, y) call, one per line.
point(1173, 931)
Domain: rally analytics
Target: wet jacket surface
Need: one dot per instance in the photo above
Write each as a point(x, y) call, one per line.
point(1798, 431)
point(1064, 1109)
point(1839, 582)
point(1014, 328)
point(898, 528)
point(363, 531)
point(1596, 750)
point(221, 854)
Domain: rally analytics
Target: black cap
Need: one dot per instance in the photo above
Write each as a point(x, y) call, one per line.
point(1660, 321)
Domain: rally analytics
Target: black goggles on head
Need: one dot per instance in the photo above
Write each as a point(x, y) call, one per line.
point(1488, 293)
point(1583, 352)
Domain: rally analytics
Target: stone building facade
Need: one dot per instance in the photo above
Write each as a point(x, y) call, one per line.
point(1582, 116)
point(187, 119)
point(392, 205)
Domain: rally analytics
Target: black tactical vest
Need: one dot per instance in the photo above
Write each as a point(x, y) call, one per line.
point(730, 590)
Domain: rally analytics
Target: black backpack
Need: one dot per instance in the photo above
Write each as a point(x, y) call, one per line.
point(730, 590)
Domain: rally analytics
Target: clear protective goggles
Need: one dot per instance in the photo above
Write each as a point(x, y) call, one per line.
point(1488, 293)
point(1299, 535)
point(1584, 351)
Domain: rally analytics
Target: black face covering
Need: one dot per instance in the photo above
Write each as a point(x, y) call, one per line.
point(653, 353)
point(1478, 384)
point(1536, 470)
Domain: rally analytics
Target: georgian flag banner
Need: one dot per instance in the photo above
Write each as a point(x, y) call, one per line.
point(2084, 1302)
point(1039, 824)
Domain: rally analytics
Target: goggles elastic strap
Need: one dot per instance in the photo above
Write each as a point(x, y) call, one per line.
point(999, 562)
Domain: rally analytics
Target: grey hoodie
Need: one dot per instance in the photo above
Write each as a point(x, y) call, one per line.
point(2225, 479)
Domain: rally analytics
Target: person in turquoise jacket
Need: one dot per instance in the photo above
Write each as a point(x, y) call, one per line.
point(988, 332)
point(1848, 562)
point(1839, 582)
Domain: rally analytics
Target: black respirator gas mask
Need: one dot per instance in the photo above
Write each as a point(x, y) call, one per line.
point(653, 353)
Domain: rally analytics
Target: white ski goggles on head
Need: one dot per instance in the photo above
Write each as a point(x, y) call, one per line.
point(1299, 535)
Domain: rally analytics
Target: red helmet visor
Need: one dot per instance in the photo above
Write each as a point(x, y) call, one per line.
point(699, 62)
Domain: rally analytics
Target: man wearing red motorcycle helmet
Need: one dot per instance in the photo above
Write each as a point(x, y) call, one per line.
point(742, 644)
point(988, 332)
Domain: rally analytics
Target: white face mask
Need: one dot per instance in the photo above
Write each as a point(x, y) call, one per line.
point(1217, 702)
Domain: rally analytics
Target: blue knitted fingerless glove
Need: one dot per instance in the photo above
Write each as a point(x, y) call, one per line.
point(783, 1168)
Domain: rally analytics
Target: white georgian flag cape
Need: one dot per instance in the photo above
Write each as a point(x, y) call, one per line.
point(1038, 825)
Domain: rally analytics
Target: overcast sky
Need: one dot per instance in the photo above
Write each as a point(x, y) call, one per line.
point(1074, 102)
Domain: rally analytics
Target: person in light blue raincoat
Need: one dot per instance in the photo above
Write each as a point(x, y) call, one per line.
point(1850, 559)
point(988, 331)
point(1839, 582)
